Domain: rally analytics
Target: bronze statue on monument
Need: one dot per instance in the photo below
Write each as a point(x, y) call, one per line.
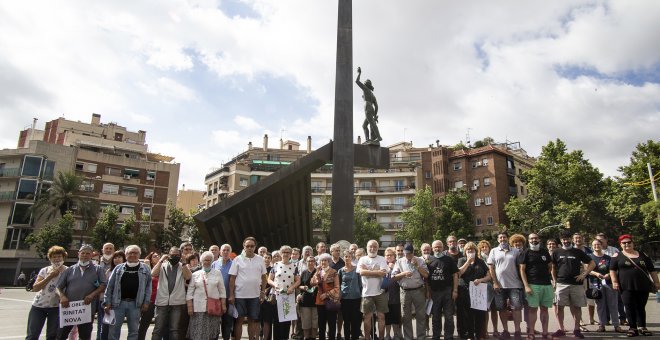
point(370, 111)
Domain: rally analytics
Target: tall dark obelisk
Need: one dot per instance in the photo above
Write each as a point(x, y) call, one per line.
point(342, 150)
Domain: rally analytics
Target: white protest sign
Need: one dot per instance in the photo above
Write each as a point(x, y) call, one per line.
point(478, 296)
point(286, 307)
point(77, 313)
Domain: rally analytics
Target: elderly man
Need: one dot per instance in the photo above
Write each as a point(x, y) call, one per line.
point(247, 285)
point(128, 293)
point(411, 271)
point(82, 281)
point(104, 262)
point(452, 248)
point(443, 286)
point(223, 264)
point(426, 251)
point(215, 250)
point(186, 249)
point(372, 269)
point(262, 251)
point(170, 295)
point(399, 251)
point(504, 271)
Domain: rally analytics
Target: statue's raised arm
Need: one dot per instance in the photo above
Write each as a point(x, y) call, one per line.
point(370, 111)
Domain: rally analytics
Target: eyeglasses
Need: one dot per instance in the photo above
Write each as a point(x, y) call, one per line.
point(626, 242)
point(285, 252)
point(249, 246)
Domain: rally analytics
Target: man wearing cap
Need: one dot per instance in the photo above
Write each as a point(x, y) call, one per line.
point(82, 281)
point(104, 263)
point(411, 271)
point(461, 244)
point(443, 286)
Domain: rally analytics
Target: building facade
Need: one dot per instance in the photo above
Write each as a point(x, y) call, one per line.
point(118, 170)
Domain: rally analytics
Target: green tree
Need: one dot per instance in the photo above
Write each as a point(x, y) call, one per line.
point(137, 235)
point(484, 142)
point(420, 220)
point(59, 233)
point(322, 216)
point(366, 228)
point(455, 216)
point(178, 224)
point(630, 198)
point(562, 187)
point(194, 236)
point(107, 229)
point(63, 195)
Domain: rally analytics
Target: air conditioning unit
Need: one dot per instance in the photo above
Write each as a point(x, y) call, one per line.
point(127, 176)
point(475, 187)
point(478, 163)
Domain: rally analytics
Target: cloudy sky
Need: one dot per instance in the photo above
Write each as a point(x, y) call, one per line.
point(205, 77)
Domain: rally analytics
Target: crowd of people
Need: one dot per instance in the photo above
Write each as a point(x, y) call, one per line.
point(354, 291)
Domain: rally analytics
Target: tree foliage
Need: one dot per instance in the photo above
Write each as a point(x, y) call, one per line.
point(484, 142)
point(420, 219)
point(107, 229)
point(177, 229)
point(562, 187)
point(322, 216)
point(455, 216)
point(59, 233)
point(63, 195)
point(630, 198)
point(366, 228)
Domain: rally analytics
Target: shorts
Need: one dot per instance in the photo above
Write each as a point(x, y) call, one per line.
point(590, 302)
point(393, 316)
point(375, 304)
point(571, 295)
point(514, 296)
point(309, 317)
point(249, 308)
point(542, 296)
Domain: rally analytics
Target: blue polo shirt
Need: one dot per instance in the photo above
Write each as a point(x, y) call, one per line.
point(224, 269)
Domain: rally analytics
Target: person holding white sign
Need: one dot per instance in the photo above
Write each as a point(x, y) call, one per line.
point(471, 268)
point(83, 281)
point(284, 279)
point(46, 303)
point(128, 293)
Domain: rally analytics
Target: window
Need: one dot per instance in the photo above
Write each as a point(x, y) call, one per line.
point(129, 191)
point(254, 179)
point(489, 220)
point(474, 164)
point(80, 166)
point(149, 193)
point(484, 162)
point(475, 183)
point(132, 173)
point(477, 221)
point(458, 184)
point(458, 166)
point(27, 189)
point(111, 189)
point(365, 203)
point(316, 186)
point(91, 167)
point(151, 175)
point(399, 203)
point(31, 166)
point(104, 206)
point(509, 164)
point(243, 182)
point(488, 200)
point(126, 209)
point(21, 213)
point(49, 170)
point(316, 201)
point(486, 181)
point(145, 229)
point(146, 211)
point(112, 171)
point(427, 175)
point(15, 238)
point(477, 202)
point(398, 185)
point(87, 186)
point(81, 225)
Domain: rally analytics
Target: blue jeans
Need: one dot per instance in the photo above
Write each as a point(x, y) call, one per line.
point(36, 319)
point(129, 310)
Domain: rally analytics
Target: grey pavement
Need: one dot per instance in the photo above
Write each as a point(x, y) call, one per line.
point(15, 304)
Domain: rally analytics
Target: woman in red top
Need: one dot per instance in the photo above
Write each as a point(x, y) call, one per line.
point(146, 317)
point(328, 282)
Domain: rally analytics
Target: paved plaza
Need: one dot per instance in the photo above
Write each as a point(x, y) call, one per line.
point(15, 304)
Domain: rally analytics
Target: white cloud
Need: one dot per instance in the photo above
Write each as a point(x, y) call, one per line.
point(247, 123)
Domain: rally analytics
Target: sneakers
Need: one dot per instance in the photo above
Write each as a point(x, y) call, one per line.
point(578, 334)
point(559, 334)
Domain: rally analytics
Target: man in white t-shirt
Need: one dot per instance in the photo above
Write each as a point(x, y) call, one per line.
point(247, 285)
point(372, 268)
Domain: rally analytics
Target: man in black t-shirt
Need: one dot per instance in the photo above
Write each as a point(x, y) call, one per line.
point(568, 276)
point(443, 286)
point(535, 267)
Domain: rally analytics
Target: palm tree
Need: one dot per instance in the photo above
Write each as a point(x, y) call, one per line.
point(63, 195)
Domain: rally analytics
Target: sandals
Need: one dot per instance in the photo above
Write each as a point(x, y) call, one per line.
point(645, 332)
point(632, 332)
point(545, 336)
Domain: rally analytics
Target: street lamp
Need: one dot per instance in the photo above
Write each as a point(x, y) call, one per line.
point(565, 225)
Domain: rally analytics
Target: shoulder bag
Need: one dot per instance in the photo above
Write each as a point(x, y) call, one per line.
point(213, 306)
point(648, 275)
point(595, 292)
point(331, 304)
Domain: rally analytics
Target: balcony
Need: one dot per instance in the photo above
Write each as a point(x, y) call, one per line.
point(392, 225)
point(10, 172)
point(7, 196)
point(396, 188)
point(383, 207)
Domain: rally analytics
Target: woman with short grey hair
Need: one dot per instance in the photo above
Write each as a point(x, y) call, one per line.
point(283, 279)
point(204, 284)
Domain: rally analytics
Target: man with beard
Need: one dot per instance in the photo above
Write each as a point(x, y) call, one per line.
point(170, 295)
point(535, 267)
point(105, 262)
point(411, 271)
point(443, 287)
point(568, 275)
point(426, 251)
point(452, 249)
point(372, 268)
point(503, 264)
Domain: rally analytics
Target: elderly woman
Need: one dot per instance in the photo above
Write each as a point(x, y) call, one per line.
point(327, 280)
point(204, 284)
point(633, 274)
point(471, 269)
point(45, 305)
point(267, 310)
point(351, 296)
point(145, 319)
point(393, 315)
point(128, 293)
point(307, 299)
point(607, 305)
point(484, 250)
point(283, 279)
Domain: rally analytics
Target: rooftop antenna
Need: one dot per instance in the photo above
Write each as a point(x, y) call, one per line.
point(282, 131)
point(467, 138)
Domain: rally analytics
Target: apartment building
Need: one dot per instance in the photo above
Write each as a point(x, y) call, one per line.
point(118, 169)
